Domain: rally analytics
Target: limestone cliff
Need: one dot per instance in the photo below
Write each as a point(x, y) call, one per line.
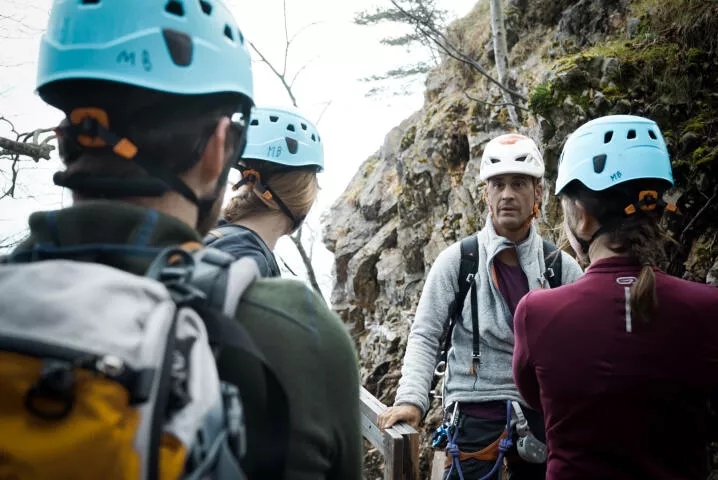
point(574, 60)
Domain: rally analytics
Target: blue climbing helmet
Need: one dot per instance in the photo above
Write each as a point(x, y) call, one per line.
point(284, 136)
point(173, 46)
point(612, 150)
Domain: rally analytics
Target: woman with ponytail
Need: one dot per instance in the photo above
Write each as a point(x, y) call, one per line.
point(277, 189)
point(623, 362)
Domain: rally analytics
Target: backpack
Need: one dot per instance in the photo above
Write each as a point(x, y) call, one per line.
point(467, 272)
point(109, 375)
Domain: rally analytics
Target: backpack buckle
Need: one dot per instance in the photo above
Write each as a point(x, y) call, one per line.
point(53, 394)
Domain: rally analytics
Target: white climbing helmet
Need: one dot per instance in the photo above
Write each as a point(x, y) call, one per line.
point(511, 153)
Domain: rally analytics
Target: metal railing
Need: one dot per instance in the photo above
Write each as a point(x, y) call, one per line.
point(399, 445)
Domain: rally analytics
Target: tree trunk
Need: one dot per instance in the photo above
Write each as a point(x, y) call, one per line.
point(297, 240)
point(498, 29)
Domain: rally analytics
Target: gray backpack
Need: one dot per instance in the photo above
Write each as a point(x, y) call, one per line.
point(109, 375)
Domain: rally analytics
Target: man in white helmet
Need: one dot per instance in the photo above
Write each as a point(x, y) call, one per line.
point(492, 270)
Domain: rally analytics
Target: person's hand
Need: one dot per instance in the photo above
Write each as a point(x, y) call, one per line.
point(410, 414)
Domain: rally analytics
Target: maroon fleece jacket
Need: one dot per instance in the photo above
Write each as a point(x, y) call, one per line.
point(622, 398)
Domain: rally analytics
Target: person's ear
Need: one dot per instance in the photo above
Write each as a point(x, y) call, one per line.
point(212, 163)
point(538, 199)
point(586, 225)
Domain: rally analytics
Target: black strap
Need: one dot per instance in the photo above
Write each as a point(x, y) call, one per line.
point(238, 348)
point(163, 395)
point(467, 271)
point(554, 263)
point(235, 348)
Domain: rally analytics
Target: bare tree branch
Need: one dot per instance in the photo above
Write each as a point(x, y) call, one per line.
point(297, 240)
point(703, 209)
point(279, 75)
point(303, 29)
point(32, 150)
point(490, 104)
point(324, 110)
point(25, 145)
point(301, 69)
point(287, 43)
point(430, 31)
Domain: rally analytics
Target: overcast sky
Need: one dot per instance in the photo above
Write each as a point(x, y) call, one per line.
point(334, 55)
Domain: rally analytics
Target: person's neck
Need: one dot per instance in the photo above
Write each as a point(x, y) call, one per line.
point(508, 256)
point(173, 204)
point(517, 236)
point(268, 227)
point(599, 250)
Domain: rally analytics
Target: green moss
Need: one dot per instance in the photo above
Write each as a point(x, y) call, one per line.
point(612, 92)
point(423, 160)
point(541, 99)
point(695, 125)
point(409, 137)
point(634, 51)
point(695, 56)
point(705, 155)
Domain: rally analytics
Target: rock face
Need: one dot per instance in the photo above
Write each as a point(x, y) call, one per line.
point(574, 61)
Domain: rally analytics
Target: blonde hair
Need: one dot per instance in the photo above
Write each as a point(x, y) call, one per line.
point(297, 188)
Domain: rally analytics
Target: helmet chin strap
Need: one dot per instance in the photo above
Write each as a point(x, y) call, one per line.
point(586, 244)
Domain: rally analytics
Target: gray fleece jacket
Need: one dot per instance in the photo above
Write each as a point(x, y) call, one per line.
point(494, 379)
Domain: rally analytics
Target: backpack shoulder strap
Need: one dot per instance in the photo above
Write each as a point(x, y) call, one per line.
point(554, 263)
point(467, 270)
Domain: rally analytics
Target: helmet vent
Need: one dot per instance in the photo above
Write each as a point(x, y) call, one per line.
point(599, 163)
point(241, 36)
point(495, 160)
point(90, 2)
point(179, 45)
point(206, 7)
point(652, 134)
point(291, 128)
point(292, 145)
point(175, 8)
point(631, 134)
point(255, 122)
point(273, 118)
point(608, 136)
point(304, 126)
point(228, 33)
point(522, 158)
point(314, 138)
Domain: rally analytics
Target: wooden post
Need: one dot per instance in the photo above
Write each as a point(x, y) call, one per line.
point(399, 445)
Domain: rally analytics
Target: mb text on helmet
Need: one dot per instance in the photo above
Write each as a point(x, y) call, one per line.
point(513, 168)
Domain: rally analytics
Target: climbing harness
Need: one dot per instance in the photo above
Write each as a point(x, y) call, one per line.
point(449, 431)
